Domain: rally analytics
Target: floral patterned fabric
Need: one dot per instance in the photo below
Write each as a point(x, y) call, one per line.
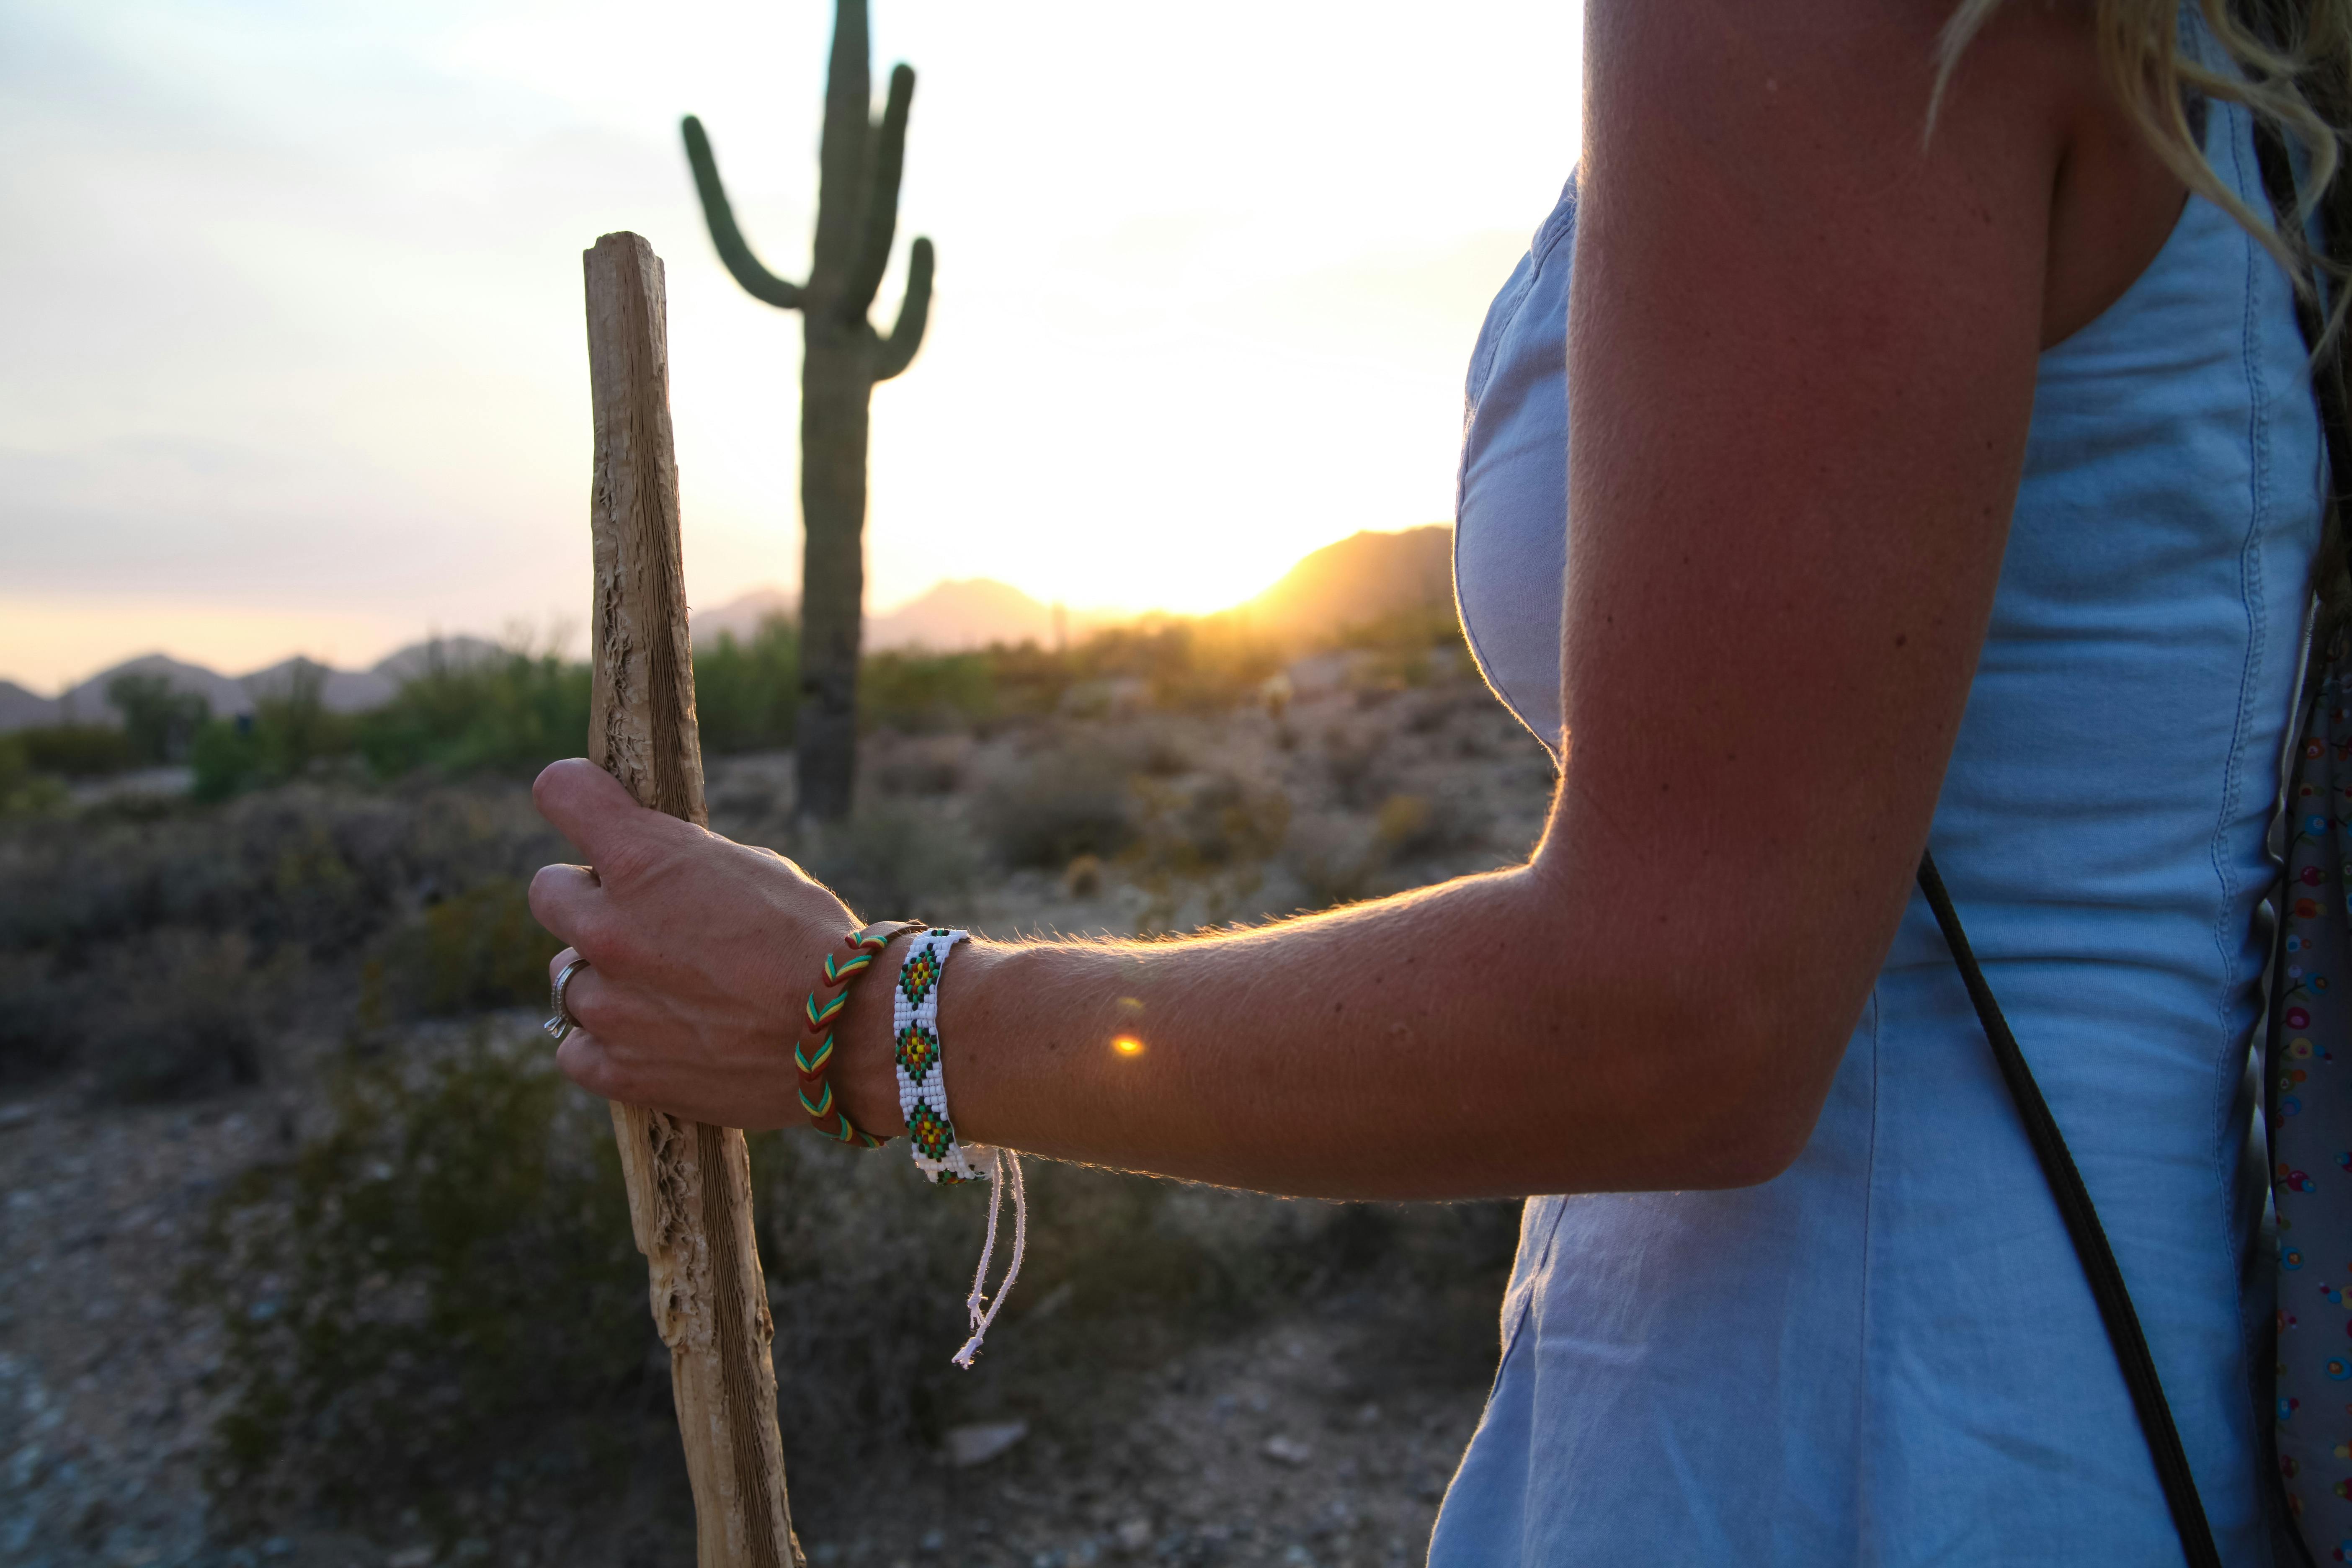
point(2311, 1124)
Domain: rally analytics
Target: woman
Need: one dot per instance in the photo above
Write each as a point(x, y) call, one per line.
point(1957, 489)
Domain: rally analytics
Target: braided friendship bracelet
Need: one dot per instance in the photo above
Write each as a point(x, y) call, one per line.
point(813, 1055)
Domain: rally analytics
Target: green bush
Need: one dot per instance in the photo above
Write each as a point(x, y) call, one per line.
point(159, 722)
point(922, 693)
point(477, 948)
point(24, 790)
point(284, 735)
point(1207, 840)
point(98, 926)
point(892, 856)
point(1061, 803)
point(747, 694)
point(41, 1017)
point(440, 1292)
point(512, 714)
point(184, 1013)
point(74, 751)
point(435, 1305)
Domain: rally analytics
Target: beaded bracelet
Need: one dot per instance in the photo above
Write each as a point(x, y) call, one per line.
point(813, 1055)
point(923, 1100)
point(922, 1078)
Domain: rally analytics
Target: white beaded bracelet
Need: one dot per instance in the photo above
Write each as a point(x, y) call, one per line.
point(923, 1102)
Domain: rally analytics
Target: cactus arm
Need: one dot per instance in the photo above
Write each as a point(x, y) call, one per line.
point(865, 279)
point(844, 149)
point(897, 350)
point(757, 280)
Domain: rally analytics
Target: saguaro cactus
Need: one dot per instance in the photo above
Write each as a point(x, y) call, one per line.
point(858, 165)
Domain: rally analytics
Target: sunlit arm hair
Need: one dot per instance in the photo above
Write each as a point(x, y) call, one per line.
point(2294, 71)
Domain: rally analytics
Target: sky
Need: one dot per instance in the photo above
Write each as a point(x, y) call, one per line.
point(296, 361)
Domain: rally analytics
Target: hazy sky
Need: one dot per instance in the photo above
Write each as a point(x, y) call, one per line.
point(294, 360)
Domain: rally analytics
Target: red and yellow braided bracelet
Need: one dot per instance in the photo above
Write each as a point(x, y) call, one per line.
point(813, 1055)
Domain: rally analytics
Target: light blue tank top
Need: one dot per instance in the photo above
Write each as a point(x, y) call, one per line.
point(1888, 1355)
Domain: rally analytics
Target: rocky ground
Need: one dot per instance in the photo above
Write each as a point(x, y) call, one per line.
point(1318, 1431)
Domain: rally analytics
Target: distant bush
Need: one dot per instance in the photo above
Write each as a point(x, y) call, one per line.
point(890, 861)
point(1059, 805)
point(25, 792)
point(106, 929)
point(1187, 666)
point(1411, 646)
point(511, 714)
point(74, 751)
point(747, 694)
point(477, 948)
point(41, 1017)
point(922, 693)
point(160, 722)
point(186, 1014)
point(1206, 842)
point(285, 735)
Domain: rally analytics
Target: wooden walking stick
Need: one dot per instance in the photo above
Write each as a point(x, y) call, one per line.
point(690, 1185)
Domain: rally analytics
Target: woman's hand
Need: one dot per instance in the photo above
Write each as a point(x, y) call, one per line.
point(701, 952)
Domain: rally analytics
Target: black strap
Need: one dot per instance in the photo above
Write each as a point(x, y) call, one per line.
point(2090, 1240)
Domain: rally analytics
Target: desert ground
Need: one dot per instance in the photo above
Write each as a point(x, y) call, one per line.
point(307, 1259)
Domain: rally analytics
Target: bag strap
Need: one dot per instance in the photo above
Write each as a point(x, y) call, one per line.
point(2331, 588)
point(2090, 1239)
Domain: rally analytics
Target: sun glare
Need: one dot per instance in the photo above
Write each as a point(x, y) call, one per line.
point(1127, 1046)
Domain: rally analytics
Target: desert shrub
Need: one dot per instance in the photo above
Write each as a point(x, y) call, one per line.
point(183, 1014)
point(97, 924)
point(1029, 679)
point(1188, 666)
point(475, 949)
point(41, 1017)
point(159, 722)
point(285, 735)
point(439, 1292)
point(747, 693)
point(1056, 805)
point(1352, 761)
point(1205, 839)
point(915, 765)
point(436, 1303)
point(24, 792)
point(1410, 826)
point(1338, 858)
point(919, 693)
point(512, 714)
point(74, 751)
point(1430, 634)
point(892, 861)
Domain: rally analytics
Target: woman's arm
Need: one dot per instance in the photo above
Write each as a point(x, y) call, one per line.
point(1803, 349)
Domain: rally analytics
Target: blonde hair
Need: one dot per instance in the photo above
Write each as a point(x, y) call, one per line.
point(2294, 60)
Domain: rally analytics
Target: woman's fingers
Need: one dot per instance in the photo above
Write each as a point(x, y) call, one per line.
point(570, 903)
point(584, 1059)
point(586, 804)
point(624, 840)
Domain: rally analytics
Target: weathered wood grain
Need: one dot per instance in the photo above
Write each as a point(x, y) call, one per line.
point(690, 1185)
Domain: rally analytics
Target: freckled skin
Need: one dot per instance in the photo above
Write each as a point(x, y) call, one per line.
point(1811, 346)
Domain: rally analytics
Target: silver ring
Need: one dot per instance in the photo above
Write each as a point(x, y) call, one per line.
point(562, 1023)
